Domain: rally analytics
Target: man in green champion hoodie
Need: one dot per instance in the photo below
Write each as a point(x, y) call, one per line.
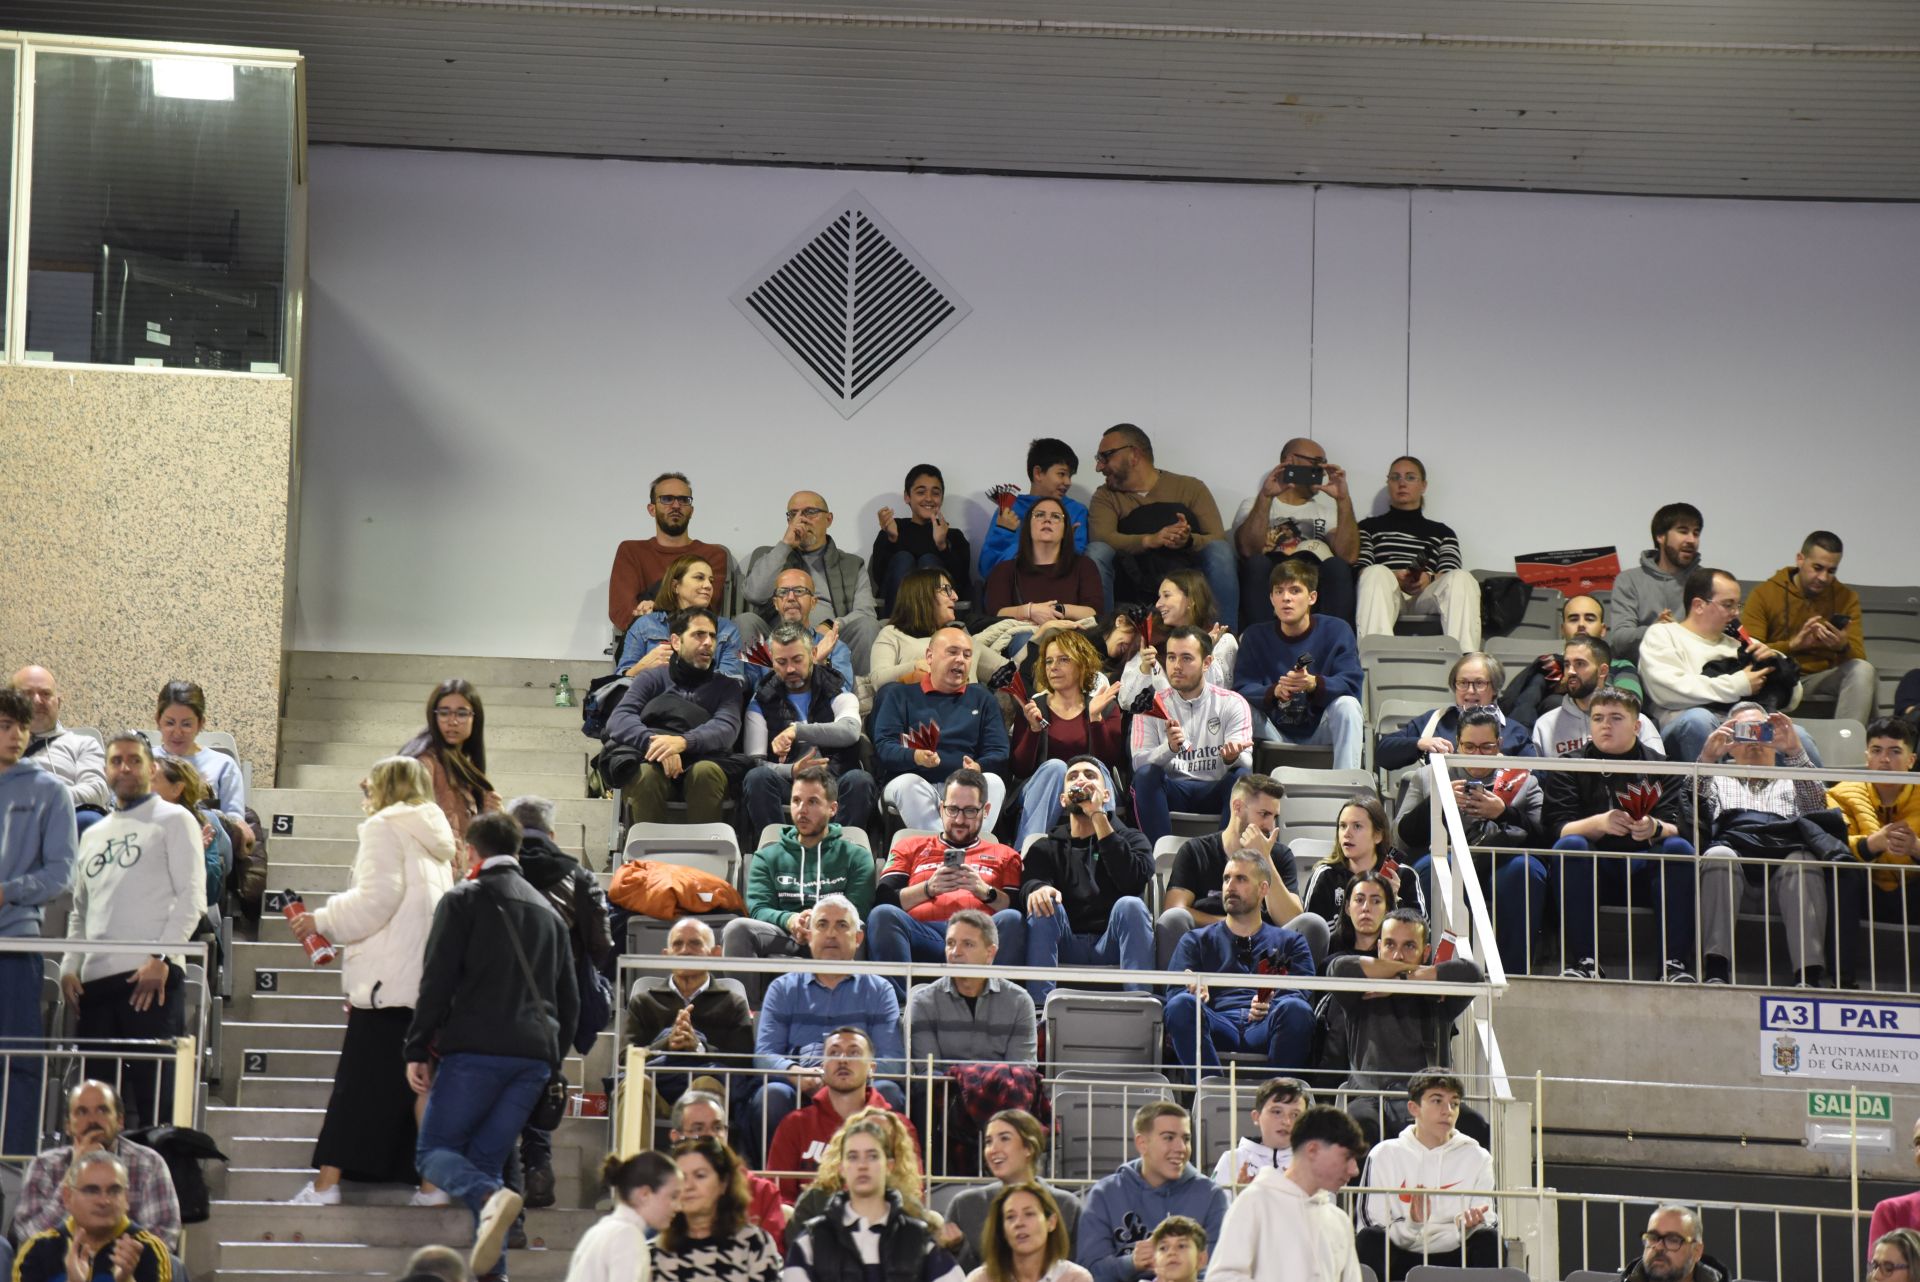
point(810, 861)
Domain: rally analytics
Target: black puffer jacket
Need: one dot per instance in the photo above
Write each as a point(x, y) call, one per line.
point(474, 996)
point(1707, 1270)
point(823, 687)
point(826, 1252)
point(1570, 796)
point(574, 893)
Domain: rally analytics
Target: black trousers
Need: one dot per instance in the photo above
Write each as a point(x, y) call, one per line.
point(1389, 1263)
point(107, 1014)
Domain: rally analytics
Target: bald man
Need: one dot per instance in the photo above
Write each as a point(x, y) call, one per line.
point(843, 594)
point(1304, 510)
point(76, 760)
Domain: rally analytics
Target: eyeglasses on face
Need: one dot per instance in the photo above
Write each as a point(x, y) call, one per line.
point(453, 714)
point(809, 512)
point(963, 812)
point(1104, 455)
point(1878, 1268)
point(674, 500)
point(791, 594)
point(1472, 683)
point(1672, 1241)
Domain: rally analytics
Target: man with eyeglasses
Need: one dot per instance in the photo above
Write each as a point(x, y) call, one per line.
point(94, 1125)
point(793, 601)
point(699, 1115)
point(97, 1237)
point(1309, 517)
point(1147, 521)
point(1675, 658)
point(928, 879)
point(640, 564)
point(1475, 679)
point(1673, 1251)
point(842, 592)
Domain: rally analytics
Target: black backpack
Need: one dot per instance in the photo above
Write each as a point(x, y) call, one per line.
point(1503, 604)
point(183, 1149)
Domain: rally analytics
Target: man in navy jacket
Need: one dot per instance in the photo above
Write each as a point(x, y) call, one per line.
point(1301, 672)
point(1475, 679)
point(972, 733)
point(682, 719)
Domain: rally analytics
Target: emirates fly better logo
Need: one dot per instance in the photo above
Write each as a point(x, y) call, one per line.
point(850, 304)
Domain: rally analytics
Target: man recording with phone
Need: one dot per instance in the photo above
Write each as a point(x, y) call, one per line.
point(1805, 611)
point(1303, 510)
point(1085, 885)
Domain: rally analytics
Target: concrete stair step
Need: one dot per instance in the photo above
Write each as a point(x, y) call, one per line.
point(324, 839)
point(571, 787)
point(301, 1122)
point(547, 1264)
point(266, 1223)
point(343, 801)
point(289, 1063)
point(424, 671)
point(403, 704)
point(410, 698)
point(327, 878)
point(549, 753)
point(269, 1185)
point(299, 980)
point(268, 1095)
point(296, 1008)
point(260, 1035)
point(278, 1152)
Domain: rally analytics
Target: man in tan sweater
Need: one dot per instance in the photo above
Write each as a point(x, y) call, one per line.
point(1146, 522)
point(1806, 611)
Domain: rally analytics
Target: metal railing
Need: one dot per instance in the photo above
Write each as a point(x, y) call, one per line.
point(1836, 919)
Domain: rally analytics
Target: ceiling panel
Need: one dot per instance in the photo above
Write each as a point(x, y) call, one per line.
point(1755, 98)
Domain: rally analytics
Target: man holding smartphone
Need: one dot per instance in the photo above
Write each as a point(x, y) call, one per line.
point(1806, 611)
point(1303, 510)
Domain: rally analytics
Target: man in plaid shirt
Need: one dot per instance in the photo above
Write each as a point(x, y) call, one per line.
point(94, 1119)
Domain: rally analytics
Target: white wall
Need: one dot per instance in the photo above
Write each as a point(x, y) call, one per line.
point(502, 350)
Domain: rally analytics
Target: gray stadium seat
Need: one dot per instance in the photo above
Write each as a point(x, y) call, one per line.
point(1419, 677)
point(1394, 713)
point(1093, 1118)
point(1087, 1029)
point(1218, 1110)
point(1516, 653)
point(1163, 852)
point(858, 836)
point(1841, 743)
point(647, 936)
point(711, 848)
point(1314, 799)
point(1446, 1273)
point(1394, 643)
point(1542, 619)
point(1591, 1275)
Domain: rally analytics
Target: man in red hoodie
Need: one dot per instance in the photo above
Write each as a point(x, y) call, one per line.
point(846, 1066)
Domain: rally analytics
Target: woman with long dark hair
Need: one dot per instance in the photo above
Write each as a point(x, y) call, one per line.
point(453, 748)
point(180, 717)
point(1370, 897)
point(688, 582)
point(1026, 1240)
point(1363, 844)
point(645, 1188)
point(710, 1238)
point(1047, 581)
point(926, 604)
point(1185, 601)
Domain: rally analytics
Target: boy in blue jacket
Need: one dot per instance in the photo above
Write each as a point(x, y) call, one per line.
point(1051, 464)
point(1278, 1021)
point(1300, 674)
point(1114, 1240)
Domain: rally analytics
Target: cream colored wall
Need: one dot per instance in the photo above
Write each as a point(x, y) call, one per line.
point(143, 536)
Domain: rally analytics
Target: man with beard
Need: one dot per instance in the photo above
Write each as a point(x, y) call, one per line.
point(1147, 521)
point(1537, 688)
point(94, 1122)
point(1586, 663)
point(1649, 593)
point(802, 712)
point(681, 719)
point(1674, 1251)
point(846, 1075)
point(639, 564)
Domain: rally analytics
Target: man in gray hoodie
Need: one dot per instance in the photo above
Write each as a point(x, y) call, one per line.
point(37, 843)
point(1650, 592)
point(1114, 1238)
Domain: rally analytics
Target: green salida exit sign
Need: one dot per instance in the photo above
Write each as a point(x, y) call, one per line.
point(1873, 1108)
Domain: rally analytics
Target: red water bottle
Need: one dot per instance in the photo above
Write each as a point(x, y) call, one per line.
point(319, 949)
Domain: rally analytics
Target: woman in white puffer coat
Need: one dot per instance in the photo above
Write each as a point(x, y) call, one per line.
point(380, 923)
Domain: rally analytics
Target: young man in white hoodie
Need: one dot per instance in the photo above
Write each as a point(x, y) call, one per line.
point(1286, 1227)
point(1194, 745)
point(140, 876)
point(1421, 1224)
point(1276, 1107)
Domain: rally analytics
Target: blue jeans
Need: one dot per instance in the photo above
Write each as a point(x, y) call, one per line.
point(774, 1098)
point(1040, 799)
point(1517, 899)
point(20, 1029)
point(1216, 562)
point(893, 935)
point(1127, 943)
point(1340, 729)
point(898, 567)
point(477, 1108)
point(1285, 1036)
point(1675, 885)
point(1156, 793)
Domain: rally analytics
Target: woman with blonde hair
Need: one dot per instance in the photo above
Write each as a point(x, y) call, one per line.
point(1074, 713)
point(1025, 1239)
point(870, 1212)
point(175, 780)
point(903, 1167)
point(688, 582)
point(403, 867)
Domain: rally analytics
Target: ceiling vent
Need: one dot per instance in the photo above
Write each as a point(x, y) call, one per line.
point(851, 305)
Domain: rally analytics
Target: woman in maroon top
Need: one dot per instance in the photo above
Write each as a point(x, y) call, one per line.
point(1046, 582)
point(1075, 713)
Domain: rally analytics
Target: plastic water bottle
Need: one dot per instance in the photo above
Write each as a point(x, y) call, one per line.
point(319, 948)
point(563, 693)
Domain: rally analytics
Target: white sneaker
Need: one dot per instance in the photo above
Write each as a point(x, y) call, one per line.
point(311, 1196)
point(439, 1197)
point(496, 1218)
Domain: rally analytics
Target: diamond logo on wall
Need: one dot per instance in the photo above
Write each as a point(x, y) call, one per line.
point(850, 304)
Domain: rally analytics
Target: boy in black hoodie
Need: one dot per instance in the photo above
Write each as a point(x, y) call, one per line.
point(1595, 812)
point(1085, 883)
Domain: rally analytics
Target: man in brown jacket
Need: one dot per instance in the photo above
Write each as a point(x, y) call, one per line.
point(1146, 522)
point(1806, 611)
